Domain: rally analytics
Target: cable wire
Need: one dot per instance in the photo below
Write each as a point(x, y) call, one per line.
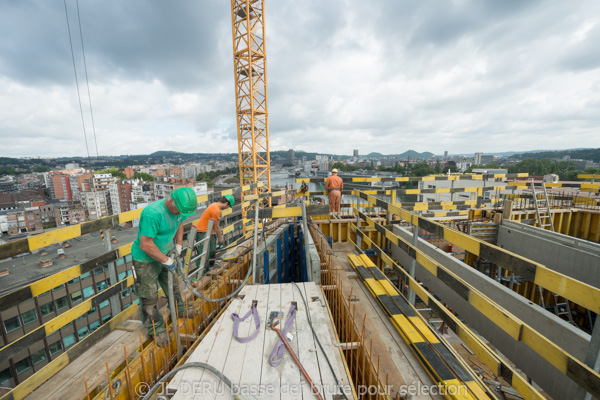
point(201, 365)
point(318, 341)
point(86, 78)
point(76, 80)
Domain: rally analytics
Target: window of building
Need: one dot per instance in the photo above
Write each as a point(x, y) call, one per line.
point(106, 318)
point(29, 317)
point(73, 280)
point(85, 276)
point(61, 303)
point(69, 340)
point(129, 272)
point(12, 323)
point(98, 271)
point(126, 305)
point(80, 318)
point(94, 325)
point(76, 296)
point(88, 291)
point(55, 347)
point(104, 304)
point(58, 287)
point(92, 311)
point(38, 356)
point(83, 332)
point(23, 365)
point(5, 377)
point(100, 286)
point(122, 275)
point(47, 308)
point(125, 293)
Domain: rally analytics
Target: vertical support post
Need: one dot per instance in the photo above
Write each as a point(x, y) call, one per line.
point(115, 302)
point(413, 265)
point(308, 264)
point(267, 278)
point(254, 272)
point(292, 252)
point(279, 261)
point(592, 358)
point(358, 241)
point(301, 253)
point(451, 192)
point(286, 253)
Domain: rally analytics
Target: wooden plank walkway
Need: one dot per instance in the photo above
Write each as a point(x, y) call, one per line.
point(247, 364)
point(69, 383)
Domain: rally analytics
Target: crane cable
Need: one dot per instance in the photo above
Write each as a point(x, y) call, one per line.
point(76, 80)
point(86, 77)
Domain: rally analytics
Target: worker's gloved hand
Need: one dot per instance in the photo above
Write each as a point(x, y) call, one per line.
point(178, 249)
point(170, 264)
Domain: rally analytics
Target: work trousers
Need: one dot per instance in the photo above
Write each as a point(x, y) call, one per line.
point(335, 198)
point(149, 276)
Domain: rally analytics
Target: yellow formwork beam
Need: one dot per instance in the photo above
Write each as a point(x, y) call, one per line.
point(567, 287)
point(485, 354)
point(510, 324)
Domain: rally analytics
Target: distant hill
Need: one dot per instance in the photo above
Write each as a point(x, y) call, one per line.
point(406, 154)
point(165, 153)
point(578, 154)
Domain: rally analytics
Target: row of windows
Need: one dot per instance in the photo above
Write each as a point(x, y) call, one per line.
point(39, 356)
point(30, 316)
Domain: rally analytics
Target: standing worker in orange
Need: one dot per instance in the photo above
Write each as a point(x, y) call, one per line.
point(213, 212)
point(334, 187)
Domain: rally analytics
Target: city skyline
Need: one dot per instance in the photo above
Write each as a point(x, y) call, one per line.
point(464, 77)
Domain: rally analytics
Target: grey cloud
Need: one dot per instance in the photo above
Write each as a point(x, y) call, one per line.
point(385, 75)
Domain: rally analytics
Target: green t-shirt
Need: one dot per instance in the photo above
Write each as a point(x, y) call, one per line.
point(159, 223)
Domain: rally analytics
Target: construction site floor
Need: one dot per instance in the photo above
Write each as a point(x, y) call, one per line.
point(69, 383)
point(395, 357)
point(247, 364)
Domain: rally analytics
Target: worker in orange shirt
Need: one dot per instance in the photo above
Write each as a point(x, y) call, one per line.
point(213, 212)
point(334, 187)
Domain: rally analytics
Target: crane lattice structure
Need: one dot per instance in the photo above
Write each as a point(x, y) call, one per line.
point(250, 69)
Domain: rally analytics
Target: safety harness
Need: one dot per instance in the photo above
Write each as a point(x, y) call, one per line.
point(279, 350)
point(236, 323)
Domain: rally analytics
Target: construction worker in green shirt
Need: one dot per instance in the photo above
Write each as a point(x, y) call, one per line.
point(160, 223)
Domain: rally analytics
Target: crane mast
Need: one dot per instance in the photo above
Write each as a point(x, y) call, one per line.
point(250, 71)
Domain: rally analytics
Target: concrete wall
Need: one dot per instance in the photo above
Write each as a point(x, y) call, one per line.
point(563, 334)
point(577, 258)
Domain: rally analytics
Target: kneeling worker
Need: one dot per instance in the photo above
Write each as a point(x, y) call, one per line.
point(334, 187)
point(160, 222)
point(213, 212)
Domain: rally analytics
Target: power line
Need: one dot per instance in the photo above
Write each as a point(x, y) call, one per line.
point(76, 80)
point(86, 78)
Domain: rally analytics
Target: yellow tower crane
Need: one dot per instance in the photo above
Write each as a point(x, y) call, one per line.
point(250, 70)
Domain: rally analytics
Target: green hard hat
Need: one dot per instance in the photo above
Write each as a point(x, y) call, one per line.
point(185, 201)
point(230, 199)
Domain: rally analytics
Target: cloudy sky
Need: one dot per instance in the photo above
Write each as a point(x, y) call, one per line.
point(378, 75)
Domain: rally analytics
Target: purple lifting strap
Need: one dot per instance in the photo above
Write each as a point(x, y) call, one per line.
point(279, 350)
point(237, 320)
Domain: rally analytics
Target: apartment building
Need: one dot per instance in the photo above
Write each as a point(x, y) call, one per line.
point(61, 184)
point(29, 315)
point(24, 220)
point(68, 214)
